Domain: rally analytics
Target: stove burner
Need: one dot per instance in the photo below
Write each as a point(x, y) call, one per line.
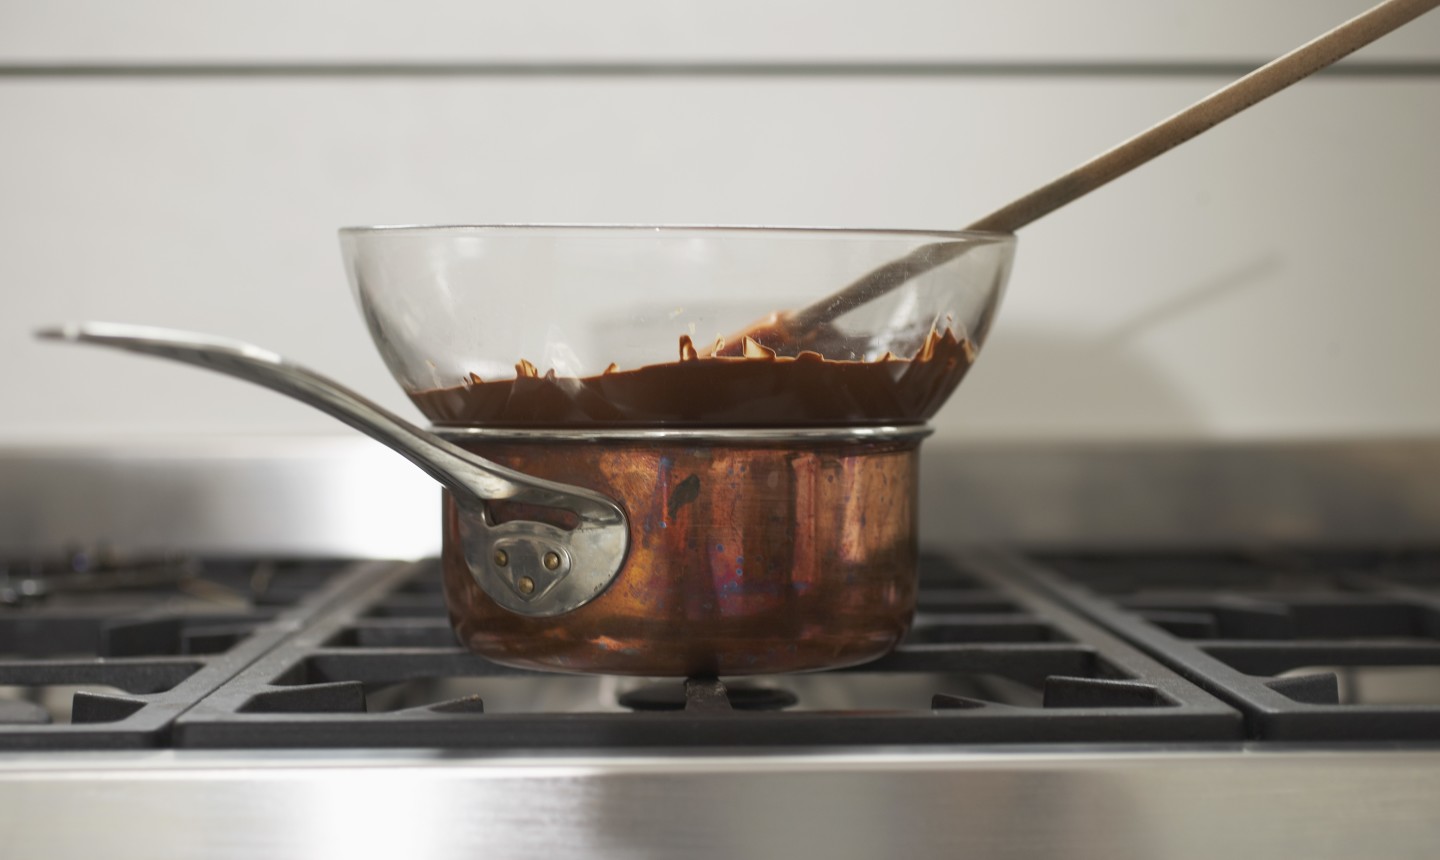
point(81, 571)
point(707, 694)
point(102, 650)
point(1349, 640)
point(1057, 679)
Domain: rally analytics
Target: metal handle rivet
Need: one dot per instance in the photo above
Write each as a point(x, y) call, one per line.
point(502, 558)
point(552, 560)
point(525, 584)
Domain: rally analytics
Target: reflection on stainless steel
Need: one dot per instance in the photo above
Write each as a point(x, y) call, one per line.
point(1380, 685)
point(348, 496)
point(859, 690)
point(1115, 494)
point(1098, 803)
point(52, 703)
point(516, 695)
point(328, 496)
point(79, 575)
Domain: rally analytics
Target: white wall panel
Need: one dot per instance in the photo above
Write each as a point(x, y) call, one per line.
point(308, 30)
point(1274, 278)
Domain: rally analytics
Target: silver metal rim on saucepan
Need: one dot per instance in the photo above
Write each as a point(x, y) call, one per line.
point(719, 436)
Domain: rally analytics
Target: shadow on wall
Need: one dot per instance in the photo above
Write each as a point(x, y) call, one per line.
point(1048, 382)
point(1052, 381)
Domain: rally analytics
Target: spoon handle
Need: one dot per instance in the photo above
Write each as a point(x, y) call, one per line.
point(1114, 163)
point(1210, 111)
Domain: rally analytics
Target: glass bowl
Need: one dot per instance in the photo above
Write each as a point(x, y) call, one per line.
point(610, 326)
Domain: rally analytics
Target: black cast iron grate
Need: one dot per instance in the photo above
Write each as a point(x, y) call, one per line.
point(104, 653)
point(989, 662)
point(1311, 646)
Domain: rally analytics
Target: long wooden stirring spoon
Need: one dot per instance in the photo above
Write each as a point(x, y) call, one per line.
point(1201, 116)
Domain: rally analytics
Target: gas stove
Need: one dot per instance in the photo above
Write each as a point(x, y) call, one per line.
point(1253, 697)
point(1118, 647)
point(363, 657)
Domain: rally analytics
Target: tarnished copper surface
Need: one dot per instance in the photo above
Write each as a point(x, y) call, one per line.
point(744, 559)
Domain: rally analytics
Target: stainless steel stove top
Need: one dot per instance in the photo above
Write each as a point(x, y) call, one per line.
point(1250, 694)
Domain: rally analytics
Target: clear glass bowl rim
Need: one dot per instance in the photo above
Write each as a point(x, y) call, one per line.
point(678, 229)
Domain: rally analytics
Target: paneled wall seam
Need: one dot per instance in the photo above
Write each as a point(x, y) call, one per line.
point(713, 69)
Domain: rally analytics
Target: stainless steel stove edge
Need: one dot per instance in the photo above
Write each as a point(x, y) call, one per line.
point(349, 496)
point(1117, 494)
point(1092, 802)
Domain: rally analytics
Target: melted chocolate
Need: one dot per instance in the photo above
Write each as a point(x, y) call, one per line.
point(746, 384)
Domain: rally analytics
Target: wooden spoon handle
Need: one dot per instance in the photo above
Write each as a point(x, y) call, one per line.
point(1214, 109)
point(1158, 139)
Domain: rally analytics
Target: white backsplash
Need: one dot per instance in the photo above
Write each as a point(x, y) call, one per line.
point(1275, 278)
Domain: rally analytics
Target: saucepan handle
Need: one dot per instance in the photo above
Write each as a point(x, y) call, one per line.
point(529, 567)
